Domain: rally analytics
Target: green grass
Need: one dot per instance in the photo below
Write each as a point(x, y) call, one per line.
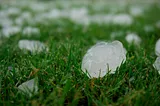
point(60, 79)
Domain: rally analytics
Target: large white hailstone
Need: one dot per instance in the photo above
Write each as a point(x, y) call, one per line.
point(32, 45)
point(8, 31)
point(103, 58)
point(29, 87)
point(156, 64)
point(133, 38)
point(122, 19)
point(157, 48)
point(29, 31)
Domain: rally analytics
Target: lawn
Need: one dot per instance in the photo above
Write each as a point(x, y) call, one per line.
point(58, 70)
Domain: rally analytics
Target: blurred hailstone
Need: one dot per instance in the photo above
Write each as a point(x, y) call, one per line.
point(136, 11)
point(38, 7)
point(158, 24)
point(103, 58)
point(24, 17)
point(156, 64)
point(5, 21)
point(11, 30)
point(133, 38)
point(29, 87)
point(157, 48)
point(122, 19)
point(56, 13)
point(116, 34)
point(148, 28)
point(13, 11)
point(31, 45)
point(79, 15)
point(102, 18)
point(29, 31)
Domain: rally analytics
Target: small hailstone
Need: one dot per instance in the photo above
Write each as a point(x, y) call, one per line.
point(103, 58)
point(31, 45)
point(133, 38)
point(131, 79)
point(122, 19)
point(157, 48)
point(29, 87)
point(29, 31)
point(156, 64)
point(8, 31)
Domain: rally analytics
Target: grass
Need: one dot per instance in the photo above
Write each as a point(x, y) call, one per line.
point(60, 79)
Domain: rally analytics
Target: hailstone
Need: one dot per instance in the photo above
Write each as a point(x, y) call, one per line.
point(11, 30)
point(133, 38)
point(29, 31)
point(29, 87)
point(122, 19)
point(157, 48)
point(103, 58)
point(31, 45)
point(156, 64)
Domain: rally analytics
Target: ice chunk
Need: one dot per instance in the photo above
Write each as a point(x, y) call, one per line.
point(133, 38)
point(157, 48)
point(31, 45)
point(29, 31)
point(103, 58)
point(156, 64)
point(29, 87)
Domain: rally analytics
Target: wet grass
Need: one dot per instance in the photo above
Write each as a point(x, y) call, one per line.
point(60, 79)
